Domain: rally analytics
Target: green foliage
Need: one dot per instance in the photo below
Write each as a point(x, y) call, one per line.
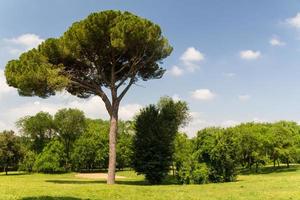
point(153, 144)
point(28, 161)
point(217, 148)
point(38, 130)
point(10, 151)
point(91, 148)
point(69, 124)
point(104, 43)
point(124, 145)
point(51, 160)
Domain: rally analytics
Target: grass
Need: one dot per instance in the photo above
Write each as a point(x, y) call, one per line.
point(284, 183)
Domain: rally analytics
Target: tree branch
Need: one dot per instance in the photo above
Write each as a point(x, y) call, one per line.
point(126, 88)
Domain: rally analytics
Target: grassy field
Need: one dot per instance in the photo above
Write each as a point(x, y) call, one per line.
point(282, 184)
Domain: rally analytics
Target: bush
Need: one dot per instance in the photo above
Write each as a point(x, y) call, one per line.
point(51, 160)
point(153, 144)
point(192, 173)
point(28, 161)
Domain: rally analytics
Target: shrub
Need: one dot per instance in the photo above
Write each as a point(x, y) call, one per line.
point(28, 161)
point(153, 144)
point(51, 160)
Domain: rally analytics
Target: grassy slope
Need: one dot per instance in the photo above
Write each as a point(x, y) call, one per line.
point(283, 184)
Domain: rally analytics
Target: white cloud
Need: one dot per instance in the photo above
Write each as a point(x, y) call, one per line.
point(203, 94)
point(128, 111)
point(244, 97)
point(176, 97)
point(229, 75)
point(191, 58)
point(28, 40)
point(250, 55)
point(11, 48)
point(275, 41)
point(294, 21)
point(176, 71)
point(92, 107)
point(196, 123)
point(229, 123)
point(4, 88)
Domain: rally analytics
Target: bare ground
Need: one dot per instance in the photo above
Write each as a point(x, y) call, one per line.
point(96, 176)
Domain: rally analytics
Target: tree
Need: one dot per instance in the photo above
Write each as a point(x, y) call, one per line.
point(69, 124)
point(282, 139)
point(110, 49)
point(218, 149)
point(91, 148)
point(52, 158)
point(38, 129)
point(10, 152)
point(153, 144)
point(251, 138)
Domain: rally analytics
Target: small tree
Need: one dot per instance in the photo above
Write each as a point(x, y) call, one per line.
point(110, 49)
point(10, 152)
point(91, 148)
point(51, 160)
point(69, 124)
point(218, 149)
point(153, 144)
point(37, 129)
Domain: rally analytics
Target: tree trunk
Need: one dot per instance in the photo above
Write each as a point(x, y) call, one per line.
point(112, 145)
point(6, 170)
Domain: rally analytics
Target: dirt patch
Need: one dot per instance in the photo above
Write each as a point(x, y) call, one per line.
point(95, 176)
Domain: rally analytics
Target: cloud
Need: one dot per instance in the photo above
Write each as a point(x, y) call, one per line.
point(229, 75)
point(176, 71)
point(294, 21)
point(176, 97)
point(250, 55)
point(244, 97)
point(275, 41)
point(128, 111)
point(92, 107)
point(196, 123)
point(11, 48)
point(28, 40)
point(4, 88)
point(203, 94)
point(229, 123)
point(191, 58)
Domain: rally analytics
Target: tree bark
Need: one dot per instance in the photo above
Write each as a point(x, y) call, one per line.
point(112, 145)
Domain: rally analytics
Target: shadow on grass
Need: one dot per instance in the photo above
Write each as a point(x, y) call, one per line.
point(49, 198)
point(270, 169)
point(169, 181)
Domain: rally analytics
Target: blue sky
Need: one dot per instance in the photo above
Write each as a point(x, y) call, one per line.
point(233, 61)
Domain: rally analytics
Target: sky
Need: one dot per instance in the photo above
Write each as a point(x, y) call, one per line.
point(233, 61)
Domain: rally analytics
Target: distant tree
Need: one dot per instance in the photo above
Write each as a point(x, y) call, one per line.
point(28, 160)
point(153, 144)
point(106, 50)
point(10, 152)
point(91, 148)
point(52, 158)
point(69, 125)
point(37, 129)
point(251, 147)
point(124, 146)
point(188, 170)
point(282, 139)
point(218, 149)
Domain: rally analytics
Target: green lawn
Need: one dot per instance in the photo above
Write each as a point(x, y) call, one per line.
point(282, 184)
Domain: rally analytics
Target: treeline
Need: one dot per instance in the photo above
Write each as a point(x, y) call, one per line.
point(67, 141)
point(218, 154)
point(150, 144)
